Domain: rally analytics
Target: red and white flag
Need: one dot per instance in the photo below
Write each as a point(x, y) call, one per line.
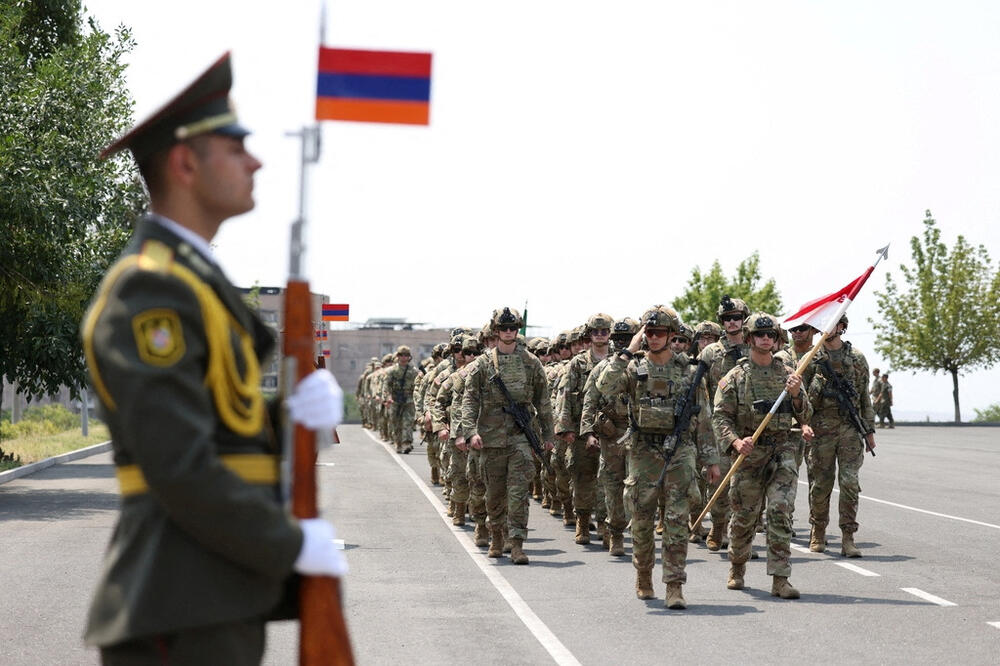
point(823, 313)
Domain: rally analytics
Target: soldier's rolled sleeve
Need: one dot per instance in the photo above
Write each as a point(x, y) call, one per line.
point(566, 403)
point(439, 407)
point(724, 418)
point(591, 406)
point(540, 396)
point(168, 420)
point(471, 401)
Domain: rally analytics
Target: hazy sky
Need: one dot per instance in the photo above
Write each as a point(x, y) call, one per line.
point(585, 156)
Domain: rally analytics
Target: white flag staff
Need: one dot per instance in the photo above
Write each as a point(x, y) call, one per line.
point(823, 315)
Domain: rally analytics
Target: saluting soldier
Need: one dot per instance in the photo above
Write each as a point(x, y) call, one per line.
point(654, 385)
point(203, 551)
point(769, 473)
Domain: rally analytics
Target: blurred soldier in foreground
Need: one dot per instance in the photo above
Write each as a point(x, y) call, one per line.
point(203, 553)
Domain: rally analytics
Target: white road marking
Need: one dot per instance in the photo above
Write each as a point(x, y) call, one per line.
point(539, 630)
point(994, 624)
point(325, 464)
point(927, 597)
point(913, 508)
point(856, 569)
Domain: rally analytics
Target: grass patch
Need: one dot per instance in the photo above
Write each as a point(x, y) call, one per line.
point(32, 448)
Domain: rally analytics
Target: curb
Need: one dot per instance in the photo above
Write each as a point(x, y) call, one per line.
point(31, 468)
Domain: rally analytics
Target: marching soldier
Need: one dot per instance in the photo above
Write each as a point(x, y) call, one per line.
point(397, 394)
point(174, 356)
point(743, 398)
point(653, 386)
point(721, 357)
point(506, 463)
point(837, 450)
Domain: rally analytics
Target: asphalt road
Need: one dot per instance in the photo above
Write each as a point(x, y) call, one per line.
point(926, 591)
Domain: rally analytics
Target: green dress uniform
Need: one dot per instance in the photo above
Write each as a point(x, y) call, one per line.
point(202, 538)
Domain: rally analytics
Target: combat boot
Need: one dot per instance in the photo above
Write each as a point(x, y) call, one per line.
point(675, 600)
point(817, 539)
point(496, 541)
point(508, 545)
point(481, 535)
point(537, 491)
point(517, 555)
point(582, 537)
point(714, 538)
point(736, 573)
point(605, 534)
point(568, 514)
point(780, 587)
point(436, 476)
point(459, 519)
point(659, 525)
point(555, 507)
point(546, 500)
point(644, 584)
point(451, 508)
point(617, 544)
point(847, 547)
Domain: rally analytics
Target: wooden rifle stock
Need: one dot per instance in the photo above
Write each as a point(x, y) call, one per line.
point(323, 635)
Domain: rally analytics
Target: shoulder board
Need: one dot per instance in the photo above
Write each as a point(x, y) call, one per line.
point(155, 256)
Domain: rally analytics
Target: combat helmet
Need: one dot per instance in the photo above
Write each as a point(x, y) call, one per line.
point(686, 331)
point(387, 359)
point(708, 328)
point(732, 305)
point(760, 322)
point(439, 349)
point(470, 344)
point(506, 317)
point(599, 321)
point(660, 316)
point(403, 350)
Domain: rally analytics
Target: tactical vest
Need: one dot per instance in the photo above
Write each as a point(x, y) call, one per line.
point(657, 389)
point(756, 394)
point(821, 389)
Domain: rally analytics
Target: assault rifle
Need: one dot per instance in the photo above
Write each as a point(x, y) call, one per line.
point(521, 418)
point(684, 409)
point(845, 393)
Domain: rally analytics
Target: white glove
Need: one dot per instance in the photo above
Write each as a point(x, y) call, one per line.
point(318, 401)
point(318, 556)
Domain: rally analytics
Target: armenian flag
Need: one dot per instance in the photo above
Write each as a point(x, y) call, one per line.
point(321, 335)
point(374, 86)
point(336, 312)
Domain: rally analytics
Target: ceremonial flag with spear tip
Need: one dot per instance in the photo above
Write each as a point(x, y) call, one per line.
point(822, 314)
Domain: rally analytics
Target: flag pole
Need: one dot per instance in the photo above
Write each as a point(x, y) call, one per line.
point(883, 253)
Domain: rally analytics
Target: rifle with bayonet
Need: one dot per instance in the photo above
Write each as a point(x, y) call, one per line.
point(845, 393)
point(684, 409)
point(522, 418)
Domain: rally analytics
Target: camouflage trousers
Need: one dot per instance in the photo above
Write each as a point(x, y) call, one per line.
point(457, 473)
point(401, 423)
point(548, 478)
point(613, 472)
point(559, 476)
point(444, 461)
point(768, 474)
point(477, 488)
point(642, 494)
point(507, 472)
point(837, 451)
point(582, 464)
point(721, 510)
point(382, 421)
point(433, 449)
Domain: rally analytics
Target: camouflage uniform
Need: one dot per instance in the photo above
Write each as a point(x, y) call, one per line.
point(446, 415)
point(397, 386)
point(742, 400)
point(720, 357)
point(836, 449)
point(506, 462)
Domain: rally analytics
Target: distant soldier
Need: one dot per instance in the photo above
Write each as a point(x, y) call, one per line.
point(744, 397)
point(397, 392)
point(837, 450)
point(653, 386)
point(506, 463)
point(885, 402)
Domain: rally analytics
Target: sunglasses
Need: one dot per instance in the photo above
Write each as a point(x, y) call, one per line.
point(601, 331)
point(801, 329)
point(732, 317)
point(679, 339)
point(656, 332)
point(507, 328)
point(766, 334)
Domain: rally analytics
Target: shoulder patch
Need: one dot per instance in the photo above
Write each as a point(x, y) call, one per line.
point(159, 337)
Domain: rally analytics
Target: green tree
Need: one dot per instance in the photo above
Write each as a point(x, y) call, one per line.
point(64, 214)
point(700, 301)
point(989, 415)
point(944, 315)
